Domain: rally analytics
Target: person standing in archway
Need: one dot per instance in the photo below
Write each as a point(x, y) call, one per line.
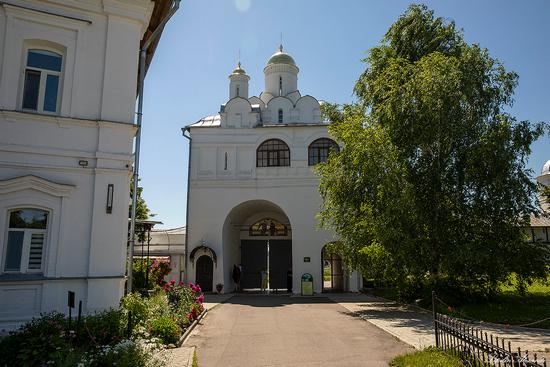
point(237, 273)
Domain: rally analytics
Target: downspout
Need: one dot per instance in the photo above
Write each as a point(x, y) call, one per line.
point(188, 137)
point(141, 81)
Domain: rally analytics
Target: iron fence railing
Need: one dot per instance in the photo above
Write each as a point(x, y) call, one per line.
point(478, 348)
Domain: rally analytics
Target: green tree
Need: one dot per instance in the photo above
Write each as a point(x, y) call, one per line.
point(142, 210)
point(432, 170)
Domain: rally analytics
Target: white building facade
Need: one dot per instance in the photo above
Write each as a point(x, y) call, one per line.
point(252, 186)
point(68, 80)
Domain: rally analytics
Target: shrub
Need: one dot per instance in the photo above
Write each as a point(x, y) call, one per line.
point(158, 270)
point(42, 340)
point(166, 329)
point(127, 353)
point(138, 306)
point(104, 328)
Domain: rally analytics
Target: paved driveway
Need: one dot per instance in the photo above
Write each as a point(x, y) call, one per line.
point(283, 331)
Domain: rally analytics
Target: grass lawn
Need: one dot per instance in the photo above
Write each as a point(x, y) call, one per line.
point(195, 362)
point(507, 307)
point(429, 357)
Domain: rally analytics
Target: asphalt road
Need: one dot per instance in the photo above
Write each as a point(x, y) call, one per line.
point(283, 331)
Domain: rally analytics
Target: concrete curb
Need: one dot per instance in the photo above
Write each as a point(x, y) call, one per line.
point(188, 331)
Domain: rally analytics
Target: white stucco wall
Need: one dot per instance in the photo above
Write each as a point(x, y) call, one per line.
point(85, 246)
point(215, 192)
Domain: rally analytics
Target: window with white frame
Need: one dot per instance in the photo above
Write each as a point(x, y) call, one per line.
point(41, 86)
point(25, 240)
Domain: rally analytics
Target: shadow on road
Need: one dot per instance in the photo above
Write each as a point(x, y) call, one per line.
point(264, 300)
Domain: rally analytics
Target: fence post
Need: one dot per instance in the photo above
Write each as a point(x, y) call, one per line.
point(435, 320)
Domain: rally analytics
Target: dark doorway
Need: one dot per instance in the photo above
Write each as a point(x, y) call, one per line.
point(254, 260)
point(205, 271)
point(333, 272)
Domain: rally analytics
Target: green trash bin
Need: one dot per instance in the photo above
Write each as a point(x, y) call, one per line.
point(307, 284)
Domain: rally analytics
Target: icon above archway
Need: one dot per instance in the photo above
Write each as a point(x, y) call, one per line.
point(268, 227)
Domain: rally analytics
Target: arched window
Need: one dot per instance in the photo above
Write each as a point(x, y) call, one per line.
point(280, 85)
point(268, 227)
point(237, 91)
point(319, 150)
point(26, 238)
point(280, 116)
point(41, 84)
point(273, 153)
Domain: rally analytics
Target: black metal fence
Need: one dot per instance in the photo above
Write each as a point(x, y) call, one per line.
point(478, 348)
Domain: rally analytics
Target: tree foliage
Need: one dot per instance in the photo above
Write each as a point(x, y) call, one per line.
point(142, 210)
point(431, 184)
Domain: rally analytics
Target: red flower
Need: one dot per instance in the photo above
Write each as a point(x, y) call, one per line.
point(450, 309)
point(172, 282)
point(181, 283)
point(200, 299)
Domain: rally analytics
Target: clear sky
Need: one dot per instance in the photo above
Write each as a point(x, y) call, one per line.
point(328, 39)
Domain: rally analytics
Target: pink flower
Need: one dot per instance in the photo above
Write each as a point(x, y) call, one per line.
point(181, 283)
point(200, 299)
point(172, 282)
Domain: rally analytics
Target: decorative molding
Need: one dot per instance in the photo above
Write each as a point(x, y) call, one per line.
point(35, 183)
point(136, 10)
point(64, 121)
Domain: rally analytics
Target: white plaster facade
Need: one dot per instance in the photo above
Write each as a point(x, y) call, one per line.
point(63, 161)
point(228, 191)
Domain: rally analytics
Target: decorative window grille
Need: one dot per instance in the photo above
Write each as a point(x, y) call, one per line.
point(319, 150)
point(273, 153)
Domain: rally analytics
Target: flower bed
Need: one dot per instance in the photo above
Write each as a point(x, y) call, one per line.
point(129, 336)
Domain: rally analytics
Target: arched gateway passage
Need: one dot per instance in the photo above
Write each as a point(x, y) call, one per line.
point(257, 235)
point(333, 272)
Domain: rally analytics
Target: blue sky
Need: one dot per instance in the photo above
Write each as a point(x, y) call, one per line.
point(328, 39)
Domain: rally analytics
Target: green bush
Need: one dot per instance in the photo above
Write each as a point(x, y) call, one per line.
point(41, 340)
point(100, 339)
point(165, 328)
point(103, 328)
point(138, 306)
point(124, 354)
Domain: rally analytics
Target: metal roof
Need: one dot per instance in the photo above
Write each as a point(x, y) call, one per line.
point(541, 221)
point(208, 121)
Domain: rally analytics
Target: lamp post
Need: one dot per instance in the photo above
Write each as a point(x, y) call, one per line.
point(267, 290)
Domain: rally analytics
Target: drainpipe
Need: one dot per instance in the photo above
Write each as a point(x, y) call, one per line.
point(188, 137)
point(141, 80)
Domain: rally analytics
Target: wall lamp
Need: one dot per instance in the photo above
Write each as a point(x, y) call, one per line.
point(110, 190)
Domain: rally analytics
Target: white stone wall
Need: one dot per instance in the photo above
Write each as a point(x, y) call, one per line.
point(85, 245)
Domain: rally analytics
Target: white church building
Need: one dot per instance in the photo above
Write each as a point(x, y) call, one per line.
point(253, 193)
point(68, 82)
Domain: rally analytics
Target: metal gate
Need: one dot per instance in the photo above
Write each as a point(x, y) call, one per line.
point(254, 260)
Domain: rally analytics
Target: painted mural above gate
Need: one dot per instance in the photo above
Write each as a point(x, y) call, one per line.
point(268, 227)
